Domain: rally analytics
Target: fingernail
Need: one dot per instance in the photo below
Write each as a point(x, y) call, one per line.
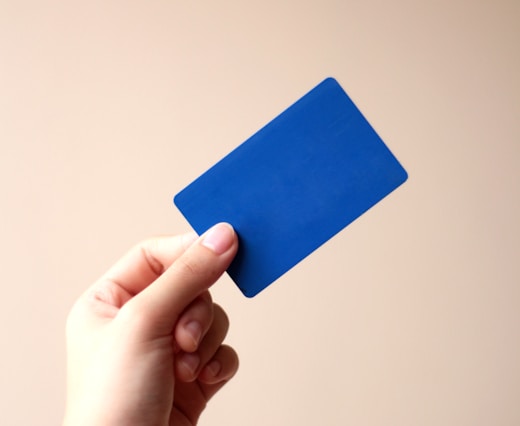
point(195, 331)
point(191, 362)
point(219, 239)
point(214, 368)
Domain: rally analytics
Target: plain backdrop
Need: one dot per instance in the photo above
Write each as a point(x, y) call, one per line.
point(410, 316)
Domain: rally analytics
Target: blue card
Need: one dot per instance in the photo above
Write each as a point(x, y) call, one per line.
point(293, 185)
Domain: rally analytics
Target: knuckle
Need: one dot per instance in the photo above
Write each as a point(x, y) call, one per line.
point(200, 310)
point(153, 264)
point(221, 316)
point(193, 264)
point(189, 265)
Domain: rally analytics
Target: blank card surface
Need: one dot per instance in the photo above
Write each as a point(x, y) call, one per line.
point(293, 185)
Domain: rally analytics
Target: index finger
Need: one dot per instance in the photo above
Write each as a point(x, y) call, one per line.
point(199, 267)
point(146, 261)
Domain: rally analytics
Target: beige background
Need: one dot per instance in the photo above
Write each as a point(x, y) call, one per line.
point(411, 316)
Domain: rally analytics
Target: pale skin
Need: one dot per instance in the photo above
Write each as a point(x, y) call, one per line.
point(145, 342)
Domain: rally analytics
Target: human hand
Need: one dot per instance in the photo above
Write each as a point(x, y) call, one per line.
point(144, 343)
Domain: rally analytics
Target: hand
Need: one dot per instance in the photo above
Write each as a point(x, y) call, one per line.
point(144, 343)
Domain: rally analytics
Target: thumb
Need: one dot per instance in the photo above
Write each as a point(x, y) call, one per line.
point(157, 307)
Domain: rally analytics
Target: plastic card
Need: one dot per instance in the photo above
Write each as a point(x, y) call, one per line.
point(293, 185)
